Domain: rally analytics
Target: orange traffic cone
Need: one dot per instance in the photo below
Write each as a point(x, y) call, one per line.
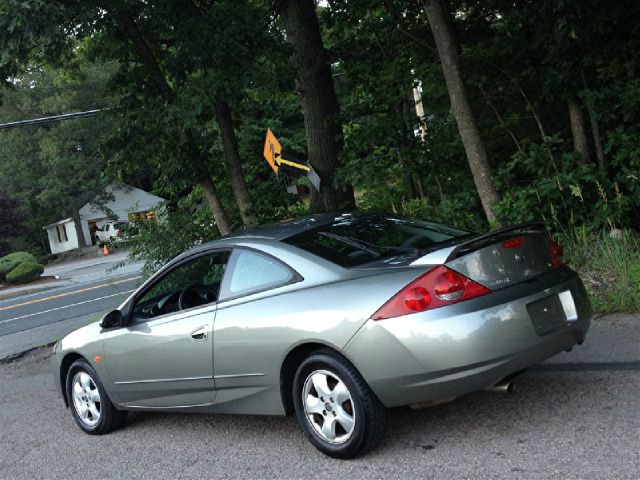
point(105, 250)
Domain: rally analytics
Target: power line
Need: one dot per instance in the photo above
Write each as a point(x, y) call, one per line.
point(53, 118)
point(94, 103)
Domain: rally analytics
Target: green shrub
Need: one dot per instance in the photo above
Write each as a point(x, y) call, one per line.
point(25, 272)
point(11, 261)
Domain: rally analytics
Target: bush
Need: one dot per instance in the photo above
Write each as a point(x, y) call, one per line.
point(25, 272)
point(609, 267)
point(12, 260)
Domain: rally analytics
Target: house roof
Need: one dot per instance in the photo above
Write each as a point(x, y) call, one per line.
point(66, 220)
point(114, 209)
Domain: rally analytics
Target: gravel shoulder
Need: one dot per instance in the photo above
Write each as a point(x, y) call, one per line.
point(575, 416)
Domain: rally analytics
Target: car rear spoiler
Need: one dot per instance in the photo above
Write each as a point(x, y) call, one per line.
point(447, 254)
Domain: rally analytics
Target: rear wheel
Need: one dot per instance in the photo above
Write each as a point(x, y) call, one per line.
point(88, 401)
point(336, 409)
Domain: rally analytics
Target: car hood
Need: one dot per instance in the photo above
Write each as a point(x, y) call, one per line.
point(81, 337)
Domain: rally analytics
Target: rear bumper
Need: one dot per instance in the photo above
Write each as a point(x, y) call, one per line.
point(448, 352)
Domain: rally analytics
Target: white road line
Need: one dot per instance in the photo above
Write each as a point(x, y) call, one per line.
point(66, 306)
point(60, 289)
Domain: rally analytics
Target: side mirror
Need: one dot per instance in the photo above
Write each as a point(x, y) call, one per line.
point(112, 319)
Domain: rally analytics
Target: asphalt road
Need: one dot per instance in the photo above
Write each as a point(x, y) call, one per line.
point(89, 288)
point(575, 416)
point(58, 304)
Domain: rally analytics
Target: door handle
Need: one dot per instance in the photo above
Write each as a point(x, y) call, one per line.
point(200, 334)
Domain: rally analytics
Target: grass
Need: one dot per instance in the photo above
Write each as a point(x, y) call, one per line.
point(608, 264)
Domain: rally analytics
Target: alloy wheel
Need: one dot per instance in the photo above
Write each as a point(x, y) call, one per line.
point(328, 406)
point(86, 399)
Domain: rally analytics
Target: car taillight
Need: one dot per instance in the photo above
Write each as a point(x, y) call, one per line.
point(556, 254)
point(439, 287)
point(513, 243)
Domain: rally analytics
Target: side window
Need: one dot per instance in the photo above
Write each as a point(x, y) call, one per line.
point(251, 271)
point(189, 285)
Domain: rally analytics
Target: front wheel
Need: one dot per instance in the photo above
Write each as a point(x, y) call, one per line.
point(335, 407)
point(88, 401)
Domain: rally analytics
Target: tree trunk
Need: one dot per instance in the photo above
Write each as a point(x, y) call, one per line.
point(444, 33)
point(597, 141)
point(77, 223)
point(232, 158)
point(420, 186)
point(409, 188)
point(213, 201)
point(595, 129)
point(403, 142)
point(208, 188)
point(578, 128)
point(319, 102)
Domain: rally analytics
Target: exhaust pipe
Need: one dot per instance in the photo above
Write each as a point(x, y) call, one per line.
point(505, 386)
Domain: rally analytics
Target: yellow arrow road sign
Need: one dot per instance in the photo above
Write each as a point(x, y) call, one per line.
point(272, 149)
point(273, 153)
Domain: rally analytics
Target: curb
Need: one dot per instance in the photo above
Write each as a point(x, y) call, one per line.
point(18, 356)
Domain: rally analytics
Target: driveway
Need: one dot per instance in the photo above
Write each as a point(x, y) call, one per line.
point(575, 416)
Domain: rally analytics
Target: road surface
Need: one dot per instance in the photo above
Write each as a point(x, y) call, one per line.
point(89, 289)
point(575, 416)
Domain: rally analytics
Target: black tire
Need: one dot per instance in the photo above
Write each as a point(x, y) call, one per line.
point(109, 418)
point(369, 415)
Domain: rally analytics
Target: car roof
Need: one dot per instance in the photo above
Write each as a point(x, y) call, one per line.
point(288, 228)
point(277, 231)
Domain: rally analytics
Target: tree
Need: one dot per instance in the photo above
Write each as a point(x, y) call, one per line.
point(376, 65)
point(10, 219)
point(320, 106)
point(164, 52)
point(127, 26)
point(578, 128)
point(446, 40)
point(61, 163)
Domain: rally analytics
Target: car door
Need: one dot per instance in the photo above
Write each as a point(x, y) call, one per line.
point(240, 342)
point(163, 358)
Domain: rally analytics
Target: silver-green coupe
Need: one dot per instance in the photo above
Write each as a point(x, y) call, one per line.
point(332, 318)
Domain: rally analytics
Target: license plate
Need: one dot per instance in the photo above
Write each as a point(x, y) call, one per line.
point(547, 314)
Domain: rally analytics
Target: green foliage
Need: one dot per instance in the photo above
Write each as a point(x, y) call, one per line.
point(609, 265)
point(564, 192)
point(20, 267)
point(25, 272)
point(176, 230)
point(11, 261)
point(451, 211)
point(53, 169)
point(11, 218)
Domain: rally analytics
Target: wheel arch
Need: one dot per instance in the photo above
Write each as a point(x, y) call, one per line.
point(66, 363)
point(290, 364)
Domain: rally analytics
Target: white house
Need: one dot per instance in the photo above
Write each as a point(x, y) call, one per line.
point(128, 204)
point(62, 235)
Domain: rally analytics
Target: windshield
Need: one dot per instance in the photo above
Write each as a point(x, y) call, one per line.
point(352, 241)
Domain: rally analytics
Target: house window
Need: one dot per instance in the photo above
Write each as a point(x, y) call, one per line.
point(62, 233)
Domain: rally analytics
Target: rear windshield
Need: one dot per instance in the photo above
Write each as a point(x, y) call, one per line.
point(352, 241)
